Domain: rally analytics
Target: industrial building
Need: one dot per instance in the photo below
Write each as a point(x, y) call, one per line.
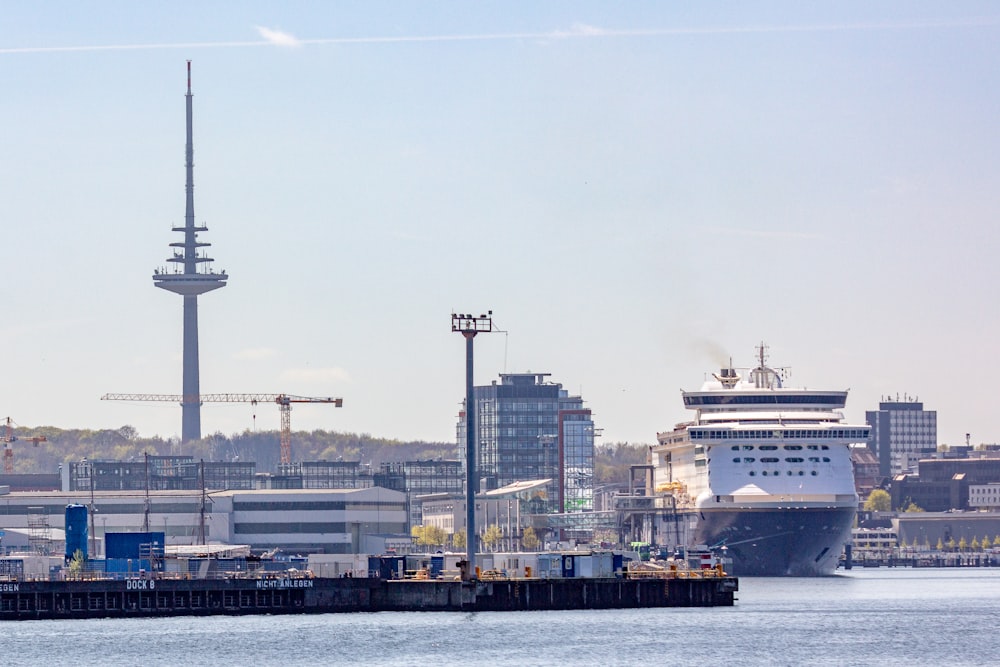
point(158, 473)
point(183, 473)
point(333, 521)
point(318, 475)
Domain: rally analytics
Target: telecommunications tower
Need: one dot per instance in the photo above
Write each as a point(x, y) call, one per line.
point(190, 275)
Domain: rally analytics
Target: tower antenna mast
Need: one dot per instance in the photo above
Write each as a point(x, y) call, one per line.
point(190, 277)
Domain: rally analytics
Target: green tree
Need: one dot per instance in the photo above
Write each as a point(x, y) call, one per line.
point(975, 544)
point(429, 535)
point(963, 545)
point(76, 563)
point(879, 500)
point(529, 540)
point(940, 545)
point(913, 507)
point(458, 539)
point(612, 461)
point(951, 544)
point(491, 536)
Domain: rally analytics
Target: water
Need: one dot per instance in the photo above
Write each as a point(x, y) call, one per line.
point(864, 617)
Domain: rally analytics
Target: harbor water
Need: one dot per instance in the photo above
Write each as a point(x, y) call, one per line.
point(886, 616)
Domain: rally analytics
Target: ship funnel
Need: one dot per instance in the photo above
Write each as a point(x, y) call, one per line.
point(727, 376)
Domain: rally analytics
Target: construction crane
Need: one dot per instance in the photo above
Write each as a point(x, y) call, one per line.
point(8, 451)
point(284, 402)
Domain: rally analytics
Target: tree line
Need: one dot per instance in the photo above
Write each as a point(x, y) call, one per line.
point(611, 461)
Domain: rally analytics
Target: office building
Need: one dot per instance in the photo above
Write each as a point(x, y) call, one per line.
point(529, 428)
point(902, 433)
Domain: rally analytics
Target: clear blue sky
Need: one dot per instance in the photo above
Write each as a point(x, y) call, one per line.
point(637, 192)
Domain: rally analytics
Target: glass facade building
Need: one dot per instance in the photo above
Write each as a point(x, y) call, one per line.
point(158, 473)
point(531, 429)
point(417, 478)
point(322, 475)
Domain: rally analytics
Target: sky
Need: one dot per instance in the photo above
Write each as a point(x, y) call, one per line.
point(638, 191)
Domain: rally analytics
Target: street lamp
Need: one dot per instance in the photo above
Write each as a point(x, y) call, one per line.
point(469, 326)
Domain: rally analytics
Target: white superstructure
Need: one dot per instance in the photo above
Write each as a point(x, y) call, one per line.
point(755, 457)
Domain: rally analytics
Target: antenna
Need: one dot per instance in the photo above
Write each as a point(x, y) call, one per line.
point(191, 278)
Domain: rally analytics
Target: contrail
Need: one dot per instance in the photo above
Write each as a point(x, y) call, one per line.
point(579, 31)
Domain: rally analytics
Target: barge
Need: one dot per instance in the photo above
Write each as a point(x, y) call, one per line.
point(287, 594)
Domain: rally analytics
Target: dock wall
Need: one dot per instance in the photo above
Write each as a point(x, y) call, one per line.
point(176, 597)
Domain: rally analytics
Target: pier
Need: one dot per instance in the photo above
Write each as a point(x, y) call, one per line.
point(146, 597)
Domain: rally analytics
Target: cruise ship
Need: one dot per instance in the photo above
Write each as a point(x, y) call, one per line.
point(763, 472)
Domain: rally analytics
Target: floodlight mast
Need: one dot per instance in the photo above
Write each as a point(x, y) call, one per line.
point(469, 326)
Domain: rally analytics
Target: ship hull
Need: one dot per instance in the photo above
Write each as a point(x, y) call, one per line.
point(776, 542)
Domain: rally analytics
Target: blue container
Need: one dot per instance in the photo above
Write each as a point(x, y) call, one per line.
point(386, 567)
point(127, 566)
point(133, 545)
point(76, 530)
